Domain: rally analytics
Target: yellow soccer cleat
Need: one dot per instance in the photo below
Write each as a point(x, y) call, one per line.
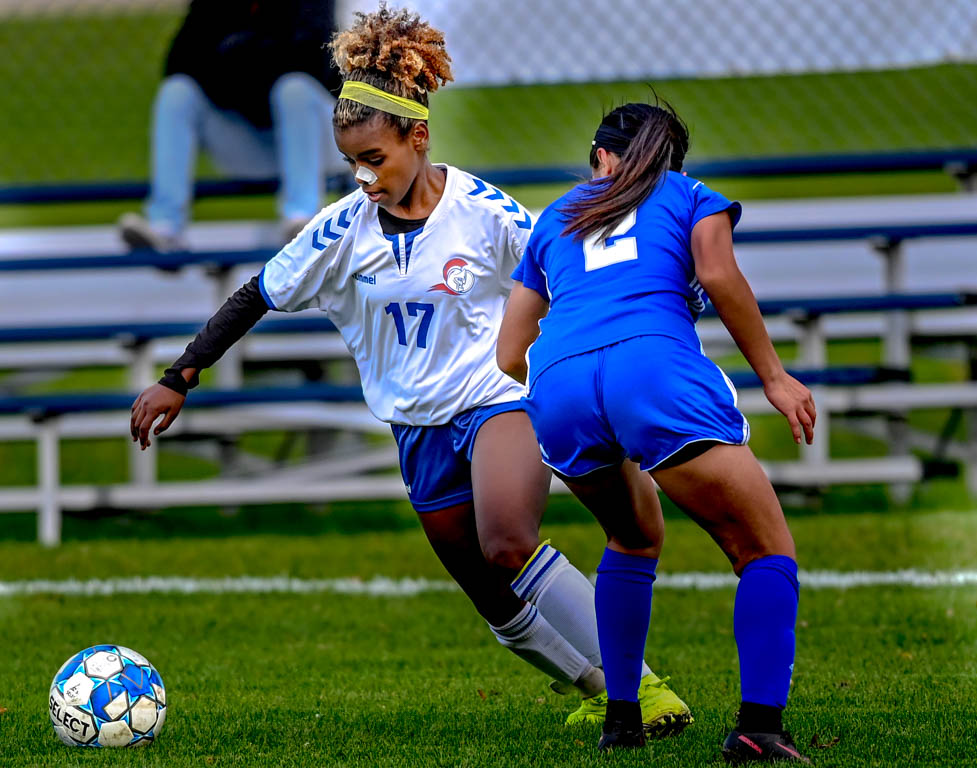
point(663, 713)
point(591, 710)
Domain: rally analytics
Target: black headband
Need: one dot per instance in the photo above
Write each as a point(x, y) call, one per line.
point(612, 139)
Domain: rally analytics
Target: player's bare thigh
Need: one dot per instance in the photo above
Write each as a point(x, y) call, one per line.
point(511, 485)
point(625, 503)
point(726, 492)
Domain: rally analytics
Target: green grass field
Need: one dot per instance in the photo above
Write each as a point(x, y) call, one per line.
point(885, 676)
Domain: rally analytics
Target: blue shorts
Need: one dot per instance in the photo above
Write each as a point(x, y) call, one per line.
point(642, 399)
point(436, 462)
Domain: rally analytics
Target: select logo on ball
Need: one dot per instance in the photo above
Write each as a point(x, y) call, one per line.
point(107, 696)
point(80, 725)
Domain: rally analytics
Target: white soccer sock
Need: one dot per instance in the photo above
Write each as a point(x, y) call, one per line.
point(565, 597)
point(533, 639)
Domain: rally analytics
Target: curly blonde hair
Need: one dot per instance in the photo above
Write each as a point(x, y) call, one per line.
point(394, 50)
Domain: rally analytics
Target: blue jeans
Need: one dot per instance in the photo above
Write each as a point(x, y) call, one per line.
point(299, 148)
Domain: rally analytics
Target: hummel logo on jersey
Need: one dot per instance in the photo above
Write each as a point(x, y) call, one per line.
point(368, 279)
point(458, 278)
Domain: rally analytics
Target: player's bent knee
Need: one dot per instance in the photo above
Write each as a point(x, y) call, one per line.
point(748, 536)
point(641, 546)
point(743, 556)
point(507, 552)
point(634, 533)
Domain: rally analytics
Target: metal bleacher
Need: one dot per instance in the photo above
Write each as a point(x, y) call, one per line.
point(959, 162)
point(50, 418)
point(876, 389)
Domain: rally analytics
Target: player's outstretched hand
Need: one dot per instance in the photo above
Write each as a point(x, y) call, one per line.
point(155, 401)
point(795, 401)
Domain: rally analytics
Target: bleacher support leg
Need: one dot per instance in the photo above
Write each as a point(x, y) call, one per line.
point(229, 369)
point(897, 353)
point(897, 336)
point(142, 464)
point(49, 482)
point(819, 452)
point(898, 428)
point(971, 467)
point(229, 372)
point(813, 354)
point(970, 417)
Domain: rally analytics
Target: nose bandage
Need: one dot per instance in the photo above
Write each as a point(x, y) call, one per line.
point(365, 175)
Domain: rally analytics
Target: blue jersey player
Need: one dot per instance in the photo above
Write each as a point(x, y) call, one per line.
point(414, 268)
point(606, 300)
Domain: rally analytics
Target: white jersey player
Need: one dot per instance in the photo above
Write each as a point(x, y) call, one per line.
point(418, 310)
point(413, 268)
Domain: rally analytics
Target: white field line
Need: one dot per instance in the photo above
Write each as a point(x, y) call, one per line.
point(380, 586)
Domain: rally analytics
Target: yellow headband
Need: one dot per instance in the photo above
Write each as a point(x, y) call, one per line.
point(364, 93)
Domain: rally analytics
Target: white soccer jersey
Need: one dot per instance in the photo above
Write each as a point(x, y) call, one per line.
point(420, 316)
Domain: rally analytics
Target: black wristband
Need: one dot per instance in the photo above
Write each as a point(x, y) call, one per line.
point(173, 379)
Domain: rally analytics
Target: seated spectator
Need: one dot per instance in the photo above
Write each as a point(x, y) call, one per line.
point(252, 82)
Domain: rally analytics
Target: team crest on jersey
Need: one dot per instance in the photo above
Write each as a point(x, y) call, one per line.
point(458, 278)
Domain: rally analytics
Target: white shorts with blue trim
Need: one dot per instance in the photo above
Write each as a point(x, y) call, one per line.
point(642, 399)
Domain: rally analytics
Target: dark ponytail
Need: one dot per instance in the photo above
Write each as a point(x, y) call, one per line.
point(651, 140)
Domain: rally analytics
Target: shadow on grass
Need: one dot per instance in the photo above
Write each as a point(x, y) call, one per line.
point(370, 516)
point(215, 522)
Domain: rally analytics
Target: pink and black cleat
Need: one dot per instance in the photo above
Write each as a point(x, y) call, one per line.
point(761, 748)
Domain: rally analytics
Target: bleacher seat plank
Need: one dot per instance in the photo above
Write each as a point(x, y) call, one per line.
point(886, 470)
point(266, 491)
point(959, 161)
point(881, 398)
point(47, 406)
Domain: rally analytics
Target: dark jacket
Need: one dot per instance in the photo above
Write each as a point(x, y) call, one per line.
point(237, 49)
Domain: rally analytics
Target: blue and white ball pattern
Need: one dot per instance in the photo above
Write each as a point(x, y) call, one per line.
point(107, 696)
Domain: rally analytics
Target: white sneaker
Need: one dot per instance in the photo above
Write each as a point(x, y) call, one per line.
point(137, 232)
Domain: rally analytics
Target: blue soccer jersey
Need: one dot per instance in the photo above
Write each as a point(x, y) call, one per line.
point(640, 280)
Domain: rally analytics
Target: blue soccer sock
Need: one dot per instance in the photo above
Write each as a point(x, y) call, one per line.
point(763, 623)
point(623, 602)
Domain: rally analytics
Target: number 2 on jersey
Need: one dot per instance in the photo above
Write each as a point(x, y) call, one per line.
point(413, 307)
point(598, 252)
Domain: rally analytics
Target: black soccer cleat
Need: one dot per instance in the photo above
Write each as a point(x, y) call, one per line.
point(761, 748)
point(621, 738)
point(623, 728)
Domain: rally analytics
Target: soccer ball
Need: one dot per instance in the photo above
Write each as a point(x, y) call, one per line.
point(107, 696)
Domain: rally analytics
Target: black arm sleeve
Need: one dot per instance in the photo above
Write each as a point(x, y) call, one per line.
point(238, 315)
